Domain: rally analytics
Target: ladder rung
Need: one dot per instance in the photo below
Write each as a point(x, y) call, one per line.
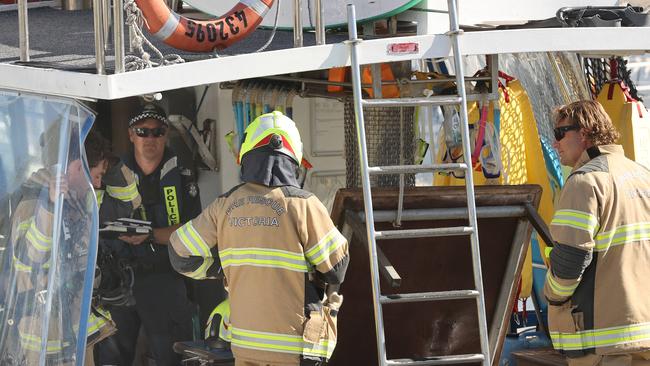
point(424, 233)
point(428, 296)
point(438, 360)
point(413, 102)
point(406, 169)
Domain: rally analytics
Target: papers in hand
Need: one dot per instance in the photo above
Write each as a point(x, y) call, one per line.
point(124, 226)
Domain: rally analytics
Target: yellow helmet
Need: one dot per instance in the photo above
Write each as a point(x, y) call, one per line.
point(274, 129)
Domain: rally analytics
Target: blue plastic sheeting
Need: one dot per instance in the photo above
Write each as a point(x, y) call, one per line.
point(530, 339)
point(48, 228)
point(539, 273)
point(556, 180)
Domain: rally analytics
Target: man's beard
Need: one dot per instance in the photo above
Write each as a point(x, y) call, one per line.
point(150, 152)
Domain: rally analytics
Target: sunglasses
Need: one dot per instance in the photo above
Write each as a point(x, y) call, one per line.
point(146, 132)
point(559, 132)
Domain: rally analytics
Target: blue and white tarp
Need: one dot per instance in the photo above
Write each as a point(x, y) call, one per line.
point(48, 230)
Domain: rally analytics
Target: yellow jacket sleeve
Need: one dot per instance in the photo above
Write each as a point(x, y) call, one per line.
point(193, 247)
point(326, 248)
point(573, 228)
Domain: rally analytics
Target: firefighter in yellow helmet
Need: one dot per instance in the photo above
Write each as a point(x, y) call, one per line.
point(276, 246)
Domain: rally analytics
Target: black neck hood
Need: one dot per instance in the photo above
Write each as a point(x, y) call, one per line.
point(270, 168)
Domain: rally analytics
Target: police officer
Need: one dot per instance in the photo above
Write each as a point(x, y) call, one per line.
point(169, 198)
point(279, 251)
point(599, 300)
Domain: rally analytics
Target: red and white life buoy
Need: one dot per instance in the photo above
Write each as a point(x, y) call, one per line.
point(203, 35)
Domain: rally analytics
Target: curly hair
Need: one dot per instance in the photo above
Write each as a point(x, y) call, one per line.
point(97, 149)
point(592, 118)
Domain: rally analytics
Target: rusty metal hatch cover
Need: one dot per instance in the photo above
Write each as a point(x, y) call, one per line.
point(432, 264)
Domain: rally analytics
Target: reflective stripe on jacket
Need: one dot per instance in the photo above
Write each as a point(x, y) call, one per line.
point(31, 232)
point(100, 326)
point(121, 183)
point(596, 285)
point(266, 240)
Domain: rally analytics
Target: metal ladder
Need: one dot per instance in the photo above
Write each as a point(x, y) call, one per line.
point(378, 299)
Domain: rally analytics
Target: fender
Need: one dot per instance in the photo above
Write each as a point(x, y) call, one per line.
point(203, 35)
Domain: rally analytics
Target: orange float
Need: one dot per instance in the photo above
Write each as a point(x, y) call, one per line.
point(203, 35)
point(341, 74)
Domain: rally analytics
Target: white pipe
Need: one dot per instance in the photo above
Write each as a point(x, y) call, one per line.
point(118, 35)
point(23, 30)
point(100, 58)
point(320, 22)
point(297, 23)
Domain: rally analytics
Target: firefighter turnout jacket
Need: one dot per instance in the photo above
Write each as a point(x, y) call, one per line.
point(118, 198)
point(120, 192)
point(268, 241)
point(597, 282)
point(31, 238)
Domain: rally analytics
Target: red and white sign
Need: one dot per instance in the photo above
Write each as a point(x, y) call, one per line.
point(402, 48)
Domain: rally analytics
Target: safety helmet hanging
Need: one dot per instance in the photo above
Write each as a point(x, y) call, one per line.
point(275, 130)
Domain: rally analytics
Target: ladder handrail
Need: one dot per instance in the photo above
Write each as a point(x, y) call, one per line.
point(454, 33)
point(365, 180)
point(372, 235)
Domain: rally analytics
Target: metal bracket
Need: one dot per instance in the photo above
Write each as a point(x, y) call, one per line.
point(452, 33)
point(352, 41)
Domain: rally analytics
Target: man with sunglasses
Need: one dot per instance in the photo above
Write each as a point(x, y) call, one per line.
point(169, 198)
point(599, 303)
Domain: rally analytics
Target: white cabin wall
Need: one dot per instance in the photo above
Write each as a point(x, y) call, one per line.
point(210, 182)
point(329, 168)
point(306, 118)
point(217, 106)
point(320, 122)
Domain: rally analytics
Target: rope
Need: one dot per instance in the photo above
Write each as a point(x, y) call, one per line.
point(275, 27)
point(134, 20)
point(598, 72)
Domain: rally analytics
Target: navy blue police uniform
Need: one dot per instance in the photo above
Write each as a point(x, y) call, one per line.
point(169, 196)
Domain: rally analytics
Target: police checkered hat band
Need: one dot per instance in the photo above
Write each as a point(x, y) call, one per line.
point(149, 111)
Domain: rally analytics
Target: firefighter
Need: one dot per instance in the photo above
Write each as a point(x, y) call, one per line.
point(281, 255)
point(599, 303)
point(31, 237)
point(117, 197)
point(170, 197)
